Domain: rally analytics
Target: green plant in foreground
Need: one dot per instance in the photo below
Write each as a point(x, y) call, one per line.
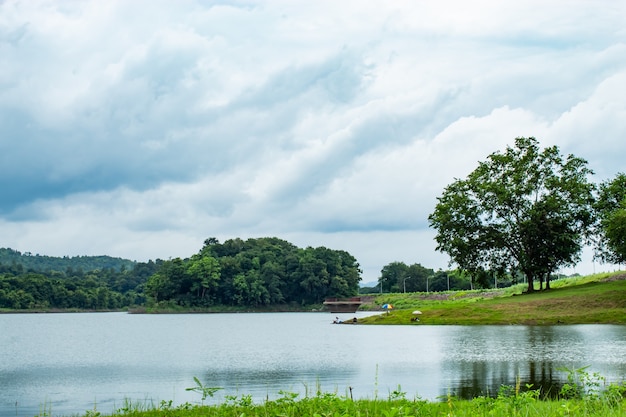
point(584, 395)
point(513, 400)
point(243, 401)
point(581, 385)
point(203, 389)
point(507, 404)
point(397, 394)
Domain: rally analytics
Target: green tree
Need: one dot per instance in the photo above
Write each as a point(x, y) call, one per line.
point(273, 275)
point(526, 209)
point(205, 272)
point(240, 290)
point(313, 277)
point(392, 276)
point(440, 281)
point(611, 211)
point(416, 279)
point(255, 272)
point(615, 232)
point(169, 282)
point(342, 270)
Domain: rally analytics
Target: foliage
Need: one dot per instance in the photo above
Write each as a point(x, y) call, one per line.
point(36, 282)
point(203, 390)
point(512, 400)
point(392, 276)
point(610, 206)
point(105, 289)
point(43, 263)
point(525, 209)
point(592, 389)
point(254, 273)
point(257, 273)
point(400, 277)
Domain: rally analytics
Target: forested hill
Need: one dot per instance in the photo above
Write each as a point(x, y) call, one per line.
point(257, 273)
point(253, 273)
point(10, 258)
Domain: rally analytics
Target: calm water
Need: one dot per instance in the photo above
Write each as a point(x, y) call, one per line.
point(70, 362)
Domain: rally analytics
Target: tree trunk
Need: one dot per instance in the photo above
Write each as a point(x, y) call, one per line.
point(548, 281)
point(531, 287)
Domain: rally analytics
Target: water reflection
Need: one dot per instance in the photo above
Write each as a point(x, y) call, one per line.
point(540, 356)
point(486, 379)
point(71, 361)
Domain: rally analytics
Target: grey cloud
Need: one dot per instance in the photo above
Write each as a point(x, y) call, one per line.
point(163, 120)
point(350, 225)
point(337, 79)
point(142, 131)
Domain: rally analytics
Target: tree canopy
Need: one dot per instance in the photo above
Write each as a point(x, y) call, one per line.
point(400, 277)
point(525, 209)
point(252, 273)
point(256, 273)
point(611, 210)
point(44, 263)
point(99, 289)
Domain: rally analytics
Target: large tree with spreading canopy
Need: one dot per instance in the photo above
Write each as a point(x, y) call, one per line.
point(526, 209)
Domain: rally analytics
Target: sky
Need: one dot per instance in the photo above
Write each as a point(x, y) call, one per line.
point(137, 129)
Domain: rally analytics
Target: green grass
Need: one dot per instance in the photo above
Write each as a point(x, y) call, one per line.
point(338, 407)
point(577, 399)
point(598, 298)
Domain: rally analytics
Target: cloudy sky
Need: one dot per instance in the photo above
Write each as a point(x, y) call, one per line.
point(140, 128)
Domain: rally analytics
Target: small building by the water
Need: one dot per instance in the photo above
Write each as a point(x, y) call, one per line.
point(343, 305)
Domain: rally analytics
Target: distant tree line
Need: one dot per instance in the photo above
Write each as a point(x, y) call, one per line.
point(44, 263)
point(251, 273)
point(98, 289)
point(256, 273)
point(399, 277)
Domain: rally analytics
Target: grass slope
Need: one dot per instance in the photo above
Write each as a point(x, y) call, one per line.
point(595, 299)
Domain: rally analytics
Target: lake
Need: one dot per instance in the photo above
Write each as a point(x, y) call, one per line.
point(70, 363)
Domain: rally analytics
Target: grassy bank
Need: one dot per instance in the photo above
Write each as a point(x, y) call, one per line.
point(598, 298)
point(576, 400)
point(337, 407)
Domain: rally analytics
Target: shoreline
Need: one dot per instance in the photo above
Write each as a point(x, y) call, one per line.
point(595, 299)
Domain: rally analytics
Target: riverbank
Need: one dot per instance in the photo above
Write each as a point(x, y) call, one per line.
point(511, 401)
point(599, 299)
point(175, 309)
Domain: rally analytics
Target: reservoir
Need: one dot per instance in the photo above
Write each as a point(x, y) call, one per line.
point(70, 363)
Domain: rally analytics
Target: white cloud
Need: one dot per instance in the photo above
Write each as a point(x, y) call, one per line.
point(138, 129)
point(594, 128)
